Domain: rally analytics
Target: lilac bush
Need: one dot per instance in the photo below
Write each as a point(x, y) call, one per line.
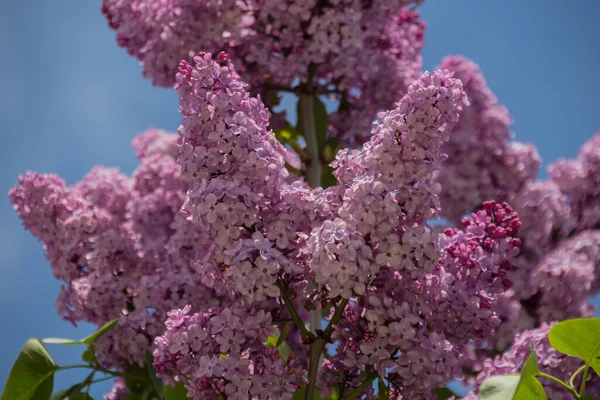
point(248, 258)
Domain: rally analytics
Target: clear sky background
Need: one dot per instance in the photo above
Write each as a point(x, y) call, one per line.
point(70, 99)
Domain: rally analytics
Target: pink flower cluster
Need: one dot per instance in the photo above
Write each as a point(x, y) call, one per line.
point(220, 231)
point(212, 238)
point(366, 239)
point(367, 52)
point(220, 352)
point(119, 245)
point(550, 362)
point(483, 163)
point(559, 235)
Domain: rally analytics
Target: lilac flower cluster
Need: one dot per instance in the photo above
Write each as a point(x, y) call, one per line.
point(367, 52)
point(119, 245)
point(579, 180)
point(559, 251)
point(559, 215)
point(211, 224)
point(413, 328)
point(550, 362)
point(220, 352)
point(483, 163)
point(212, 238)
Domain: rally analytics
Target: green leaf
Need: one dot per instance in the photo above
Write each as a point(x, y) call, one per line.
point(74, 392)
point(32, 375)
point(272, 340)
point(512, 387)
point(335, 394)
point(579, 338)
point(499, 387)
point(63, 395)
point(60, 395)
point(300, 393)
point(530, 368)
point(179, 392)
point(87, 341)
point(136, 385)
point(68, 342)
point(382, 389)
point(529, 387)
point(444, 393)
point(96, 335)
point(156, 383)
point(88, 356)
point(283, 349)
point(284, 334)
point(44, 390)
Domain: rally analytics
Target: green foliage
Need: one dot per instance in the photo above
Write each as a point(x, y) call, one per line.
point(300, 393)
point(499, 387)
point(179, 392)
point(32, 375)
point(64, 395)
point(444, 393)
point(579, 338)
point(88, 356)
point(88, 341)
point(515, 387)
point(156, 383)
point(278, 340)
point(75, 391)
point(382, 390)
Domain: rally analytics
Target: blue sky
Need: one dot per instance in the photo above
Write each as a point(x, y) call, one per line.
point(70, 99)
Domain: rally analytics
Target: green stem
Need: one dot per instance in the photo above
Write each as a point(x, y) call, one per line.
point(316, 349)
point(279, 87)
point(104, 371)
point(337, 315)
point(365, 385)
point(293, 313)
point(561, 383)
point(102, 379)
point(572, 379)
point(583, 380)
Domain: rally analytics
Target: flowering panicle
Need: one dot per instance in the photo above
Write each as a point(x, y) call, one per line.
point(472, 273)
point(222, 352)
point(550, 362)
point(119, 245)
point(212, 246)
point(364, 52)
point(580, 180)
point(388, 195)
point(483, 163)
